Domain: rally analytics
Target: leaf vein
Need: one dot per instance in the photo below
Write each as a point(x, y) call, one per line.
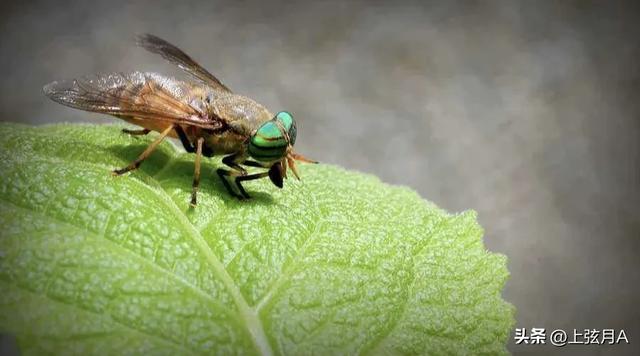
point(115, 321)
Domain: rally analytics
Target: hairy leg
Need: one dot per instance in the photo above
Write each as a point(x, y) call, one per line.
point(196, 173)
point(135, 164)
point(140, 132)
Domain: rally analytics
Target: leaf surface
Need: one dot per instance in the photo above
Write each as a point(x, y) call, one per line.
point(338, 263)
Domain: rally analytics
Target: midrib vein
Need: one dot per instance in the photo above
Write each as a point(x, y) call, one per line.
point(113, 244)
point(111, 319)
point(248, 314)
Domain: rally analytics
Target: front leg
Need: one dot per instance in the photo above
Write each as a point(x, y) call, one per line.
point(275, 173)
point(223, 174)
point(235, 171)
point(248, 177)
point(234, 162)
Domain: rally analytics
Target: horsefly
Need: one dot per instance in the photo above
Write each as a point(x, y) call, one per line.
point(206, 117)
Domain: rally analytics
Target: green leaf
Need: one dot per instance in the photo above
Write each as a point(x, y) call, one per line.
point(338, 263)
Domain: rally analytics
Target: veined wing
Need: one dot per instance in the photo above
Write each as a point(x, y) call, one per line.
point(176, 56)
point(142, 95)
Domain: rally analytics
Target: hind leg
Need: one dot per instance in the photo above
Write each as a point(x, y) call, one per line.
point(135, 164)
point(140, 132)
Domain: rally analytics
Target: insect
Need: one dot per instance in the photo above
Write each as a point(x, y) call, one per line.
point(205, 116)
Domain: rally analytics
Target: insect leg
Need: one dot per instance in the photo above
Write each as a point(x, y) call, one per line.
point(135, 164)
point(207, 152)
point(141, 132)
point(236, 170)
point(254, 164)
point(232, 161)
point(196, 173)
point(248, 177)
point(223, 173)
point(188, 146)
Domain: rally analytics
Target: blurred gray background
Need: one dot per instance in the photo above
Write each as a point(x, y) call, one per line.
point(527, 112)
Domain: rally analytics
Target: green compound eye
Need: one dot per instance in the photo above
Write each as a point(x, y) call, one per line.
point(269, 142)
point(289, 125)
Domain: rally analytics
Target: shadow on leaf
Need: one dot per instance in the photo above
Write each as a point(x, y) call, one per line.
point(128, 153)
point(179, 175)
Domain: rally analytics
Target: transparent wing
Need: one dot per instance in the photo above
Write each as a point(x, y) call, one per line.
point(176, 56)
point(142, 95)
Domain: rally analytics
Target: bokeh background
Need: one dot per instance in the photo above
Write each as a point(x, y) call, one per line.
point(527, 112)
